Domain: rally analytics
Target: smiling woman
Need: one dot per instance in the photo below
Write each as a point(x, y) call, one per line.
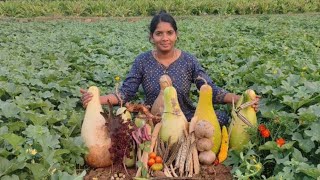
point(182, 67)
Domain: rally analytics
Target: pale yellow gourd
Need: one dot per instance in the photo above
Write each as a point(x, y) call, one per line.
point(205, 111)
point(95, 134)
point(239, 136)
point(157, 107)
point(174, 122)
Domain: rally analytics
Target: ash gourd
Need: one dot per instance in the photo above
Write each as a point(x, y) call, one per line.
point(95, 133)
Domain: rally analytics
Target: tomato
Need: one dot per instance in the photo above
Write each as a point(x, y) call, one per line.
point(280, 141)
point(152, 155)
point(262, 127)
point(151, 162)
point(158, 159)
point(265, 133)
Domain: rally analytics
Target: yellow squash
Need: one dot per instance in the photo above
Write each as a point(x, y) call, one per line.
point(223, 153)
point(205, 111)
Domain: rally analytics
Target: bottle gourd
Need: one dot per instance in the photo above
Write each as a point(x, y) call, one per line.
point(238, 135)
point(174, 122)
point(157, 107)
point(95, 134)
point(205, 111)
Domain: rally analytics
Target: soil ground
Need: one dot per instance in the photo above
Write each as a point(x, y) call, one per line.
point(219, 172)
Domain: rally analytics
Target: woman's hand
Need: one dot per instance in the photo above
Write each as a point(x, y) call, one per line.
point(256, 104)
point(85, 98)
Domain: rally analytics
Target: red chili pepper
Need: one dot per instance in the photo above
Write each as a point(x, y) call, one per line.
point(262, 127)
point(265, 133)
point(280, 141)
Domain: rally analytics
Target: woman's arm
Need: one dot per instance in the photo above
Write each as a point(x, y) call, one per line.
point(229, 96)
point(87, 96)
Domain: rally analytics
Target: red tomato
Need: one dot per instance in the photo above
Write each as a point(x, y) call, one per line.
point(152, 155)
point(158, 159)
point(151, 162)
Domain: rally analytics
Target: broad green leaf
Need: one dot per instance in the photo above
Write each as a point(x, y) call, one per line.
point(270, 145)
point(38, 171)
point(46, 94)
point(12, 177)
point(310, 114)
point(286, 173)
point(65, 131)
point(56, 116)
point(313, 131)
point(288, 145)
point(313, 87)
point(9, 109)
point(297, 155)
point(42, 135)
point(60, 152)
point(3, 130)
point(6, 166)
point(294, 103)
point(16, 126)
point(13, 139)
point(305, 144)
point(309, 170)
point(36, 118)
point(65, 176)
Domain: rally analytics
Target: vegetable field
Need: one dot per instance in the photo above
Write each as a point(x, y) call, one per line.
point(43, 65)
point(124, 8)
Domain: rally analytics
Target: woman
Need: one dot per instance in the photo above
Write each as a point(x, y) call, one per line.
point(182, 67)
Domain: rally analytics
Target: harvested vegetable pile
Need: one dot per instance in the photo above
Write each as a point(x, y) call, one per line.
point(160, 143)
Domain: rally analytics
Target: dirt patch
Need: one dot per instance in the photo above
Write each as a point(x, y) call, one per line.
point(219, 172)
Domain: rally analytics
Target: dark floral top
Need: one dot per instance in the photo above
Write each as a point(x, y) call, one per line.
point(146, 70)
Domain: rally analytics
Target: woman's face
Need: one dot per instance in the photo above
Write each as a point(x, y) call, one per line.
point(164, 37)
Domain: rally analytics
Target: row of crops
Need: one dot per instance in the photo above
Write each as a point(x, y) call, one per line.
point(120, 8)
point(44, 64)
